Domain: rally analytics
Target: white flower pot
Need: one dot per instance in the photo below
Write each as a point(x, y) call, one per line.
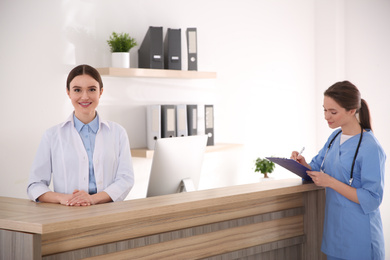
point(120, 60)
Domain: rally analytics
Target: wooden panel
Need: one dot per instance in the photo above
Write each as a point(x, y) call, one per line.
point(290, 249)
point(19, 246)
point(28, 216)
point(106, 227)
point(216, 243)
point(287, 253)
point(165, 221)
point(178, 234)
point(142, 153)
point(156, 73)
point(314, 221)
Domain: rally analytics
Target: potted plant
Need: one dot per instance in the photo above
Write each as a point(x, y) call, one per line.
point(120, 45)
point(264, 166)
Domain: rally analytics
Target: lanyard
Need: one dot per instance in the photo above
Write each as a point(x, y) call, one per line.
point(354, 158)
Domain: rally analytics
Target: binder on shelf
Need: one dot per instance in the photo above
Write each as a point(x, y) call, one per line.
point(192, 49)
point(153, 125)
point(192, 119)
point(151, 51)
point(181, 120)
point(209, 123)
point(168, 121)
point(172, 49)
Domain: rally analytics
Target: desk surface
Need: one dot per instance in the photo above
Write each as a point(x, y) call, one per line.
point(44, 218)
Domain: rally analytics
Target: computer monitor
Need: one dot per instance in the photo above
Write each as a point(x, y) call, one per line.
point(176, 165)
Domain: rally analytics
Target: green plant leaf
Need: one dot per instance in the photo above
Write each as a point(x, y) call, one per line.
point(121, 42)
point(264, 165)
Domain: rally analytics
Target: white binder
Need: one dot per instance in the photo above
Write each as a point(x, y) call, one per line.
point(192, 49)
point(153, 125)
point(168, 121)
point(181, 120)
point(209, 123)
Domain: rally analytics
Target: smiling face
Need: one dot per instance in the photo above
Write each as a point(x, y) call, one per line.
point(337, 116)
point(84, 92)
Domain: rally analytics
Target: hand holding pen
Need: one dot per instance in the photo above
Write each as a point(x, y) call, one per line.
point(299, 158)
point(295, 155)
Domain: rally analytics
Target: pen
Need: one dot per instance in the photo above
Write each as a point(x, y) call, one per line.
point(303, 149)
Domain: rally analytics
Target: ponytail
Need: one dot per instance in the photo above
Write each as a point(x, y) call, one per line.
point(348, 96)
point(364, 115)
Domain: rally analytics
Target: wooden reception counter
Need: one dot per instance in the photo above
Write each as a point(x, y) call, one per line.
point(279, 219)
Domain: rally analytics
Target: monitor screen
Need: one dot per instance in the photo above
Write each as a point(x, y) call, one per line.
point(175, 160)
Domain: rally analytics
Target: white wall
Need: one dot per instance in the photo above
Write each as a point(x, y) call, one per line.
point(352, 43)
point(263, 68)
point(273, 59)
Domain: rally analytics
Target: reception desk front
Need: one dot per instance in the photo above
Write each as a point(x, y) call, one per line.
point(279, 219)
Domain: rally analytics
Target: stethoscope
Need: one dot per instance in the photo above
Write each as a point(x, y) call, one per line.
point(354, 158)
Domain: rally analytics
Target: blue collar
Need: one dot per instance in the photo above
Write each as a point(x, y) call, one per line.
point(94, 124)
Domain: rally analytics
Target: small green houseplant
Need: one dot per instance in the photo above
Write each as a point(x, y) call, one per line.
point(264, 166)
point(120, 45)
point(121, 42)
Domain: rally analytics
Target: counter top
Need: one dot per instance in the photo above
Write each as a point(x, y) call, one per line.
point(41, 218)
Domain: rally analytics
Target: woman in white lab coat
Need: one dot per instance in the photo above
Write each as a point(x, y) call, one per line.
point(351, 166)
point(87, 157)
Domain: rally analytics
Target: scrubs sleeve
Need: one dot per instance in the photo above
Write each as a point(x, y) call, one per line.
point(372, 179)
point(124, 178)
point(40, 174)
point(317, 160)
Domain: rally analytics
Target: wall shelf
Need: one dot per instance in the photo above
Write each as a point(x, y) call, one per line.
point(156, 73)
point(145, 153)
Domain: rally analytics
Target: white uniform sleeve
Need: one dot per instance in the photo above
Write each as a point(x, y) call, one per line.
point(124, 178)
point(40, 175)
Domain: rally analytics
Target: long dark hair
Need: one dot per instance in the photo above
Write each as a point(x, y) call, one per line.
point(84, 70)
point(348, 96)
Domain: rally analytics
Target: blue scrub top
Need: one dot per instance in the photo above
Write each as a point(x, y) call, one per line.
point(351, 230)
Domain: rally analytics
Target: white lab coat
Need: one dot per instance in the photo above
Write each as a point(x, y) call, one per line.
point(61, 155)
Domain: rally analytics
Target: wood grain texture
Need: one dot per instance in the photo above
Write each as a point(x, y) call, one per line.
point(215, 243)
point(314, 222)
point(163, 222)
point(19, 246)
point(185, 233)
point(28, 216)
point(156, 73)
point(104, 228)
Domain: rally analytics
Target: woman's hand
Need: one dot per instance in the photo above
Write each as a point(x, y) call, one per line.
point(77, 198)
point(299, 158)
point(320, 178)
point(325, 180)
point(80, 198)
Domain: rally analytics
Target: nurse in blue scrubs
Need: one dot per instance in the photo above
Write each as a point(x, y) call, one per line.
point(351, 166)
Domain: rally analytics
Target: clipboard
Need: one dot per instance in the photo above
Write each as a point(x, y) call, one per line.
point(292, 166)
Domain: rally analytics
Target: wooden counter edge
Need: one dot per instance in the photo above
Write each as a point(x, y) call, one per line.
point(132, 209)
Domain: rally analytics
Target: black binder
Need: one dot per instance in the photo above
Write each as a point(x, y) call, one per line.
point(151, 51)
point(168, 121)
point(209, 123)
point(192, 49)
point(192, 119)
point(172, 49)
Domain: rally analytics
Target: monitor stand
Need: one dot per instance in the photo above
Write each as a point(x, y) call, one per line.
point(186, 185)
